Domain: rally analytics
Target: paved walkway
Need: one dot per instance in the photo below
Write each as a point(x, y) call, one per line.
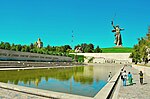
point(9, 94)
point(135, 91)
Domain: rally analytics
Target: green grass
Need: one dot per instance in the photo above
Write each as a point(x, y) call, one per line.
point(117, 50)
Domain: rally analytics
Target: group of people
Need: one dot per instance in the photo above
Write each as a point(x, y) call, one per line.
point(125, 77)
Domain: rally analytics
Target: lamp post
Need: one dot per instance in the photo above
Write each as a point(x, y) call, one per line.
point(72, 39)
point(75, 55)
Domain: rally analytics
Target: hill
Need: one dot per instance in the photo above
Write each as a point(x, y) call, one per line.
point(117, 50)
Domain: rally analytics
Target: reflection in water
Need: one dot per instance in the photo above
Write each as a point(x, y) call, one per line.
point(83, 80)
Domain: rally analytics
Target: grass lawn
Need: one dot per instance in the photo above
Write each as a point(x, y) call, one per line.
point(117, 50)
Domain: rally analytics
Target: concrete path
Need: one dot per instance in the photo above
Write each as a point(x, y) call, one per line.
point(135, 91)
point(9, 94)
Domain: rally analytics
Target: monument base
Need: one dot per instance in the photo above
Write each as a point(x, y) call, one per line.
point(120, 46)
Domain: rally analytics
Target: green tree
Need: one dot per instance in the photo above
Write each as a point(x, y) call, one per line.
point(48, 47)
point(88, 49)
point(135, 54)
point(13, 47)
point(31, 46)
point(84, 47)
point(62, 49)
point(58, 49)
point(7, 46)
point(66, 47)
point(53, 48)
point(2, 45)
point(91, 46)
point(98, 50)
point(27, 49)
point(139, 53)
point(18, 47)
point(34, 50)
point(23, 50)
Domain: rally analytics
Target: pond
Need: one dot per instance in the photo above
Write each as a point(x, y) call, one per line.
point(78, 80)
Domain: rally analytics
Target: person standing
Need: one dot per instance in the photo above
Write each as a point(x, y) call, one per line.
point(121, 74)
point(130, 78)
point(141, 77)
point(124, 78)
point(109, 76)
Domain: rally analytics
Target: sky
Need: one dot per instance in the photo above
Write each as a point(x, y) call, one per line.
point(24, 21)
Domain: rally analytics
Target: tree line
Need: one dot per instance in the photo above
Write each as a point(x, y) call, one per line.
point(141, 50)
point(89, 48)
point(50, 50)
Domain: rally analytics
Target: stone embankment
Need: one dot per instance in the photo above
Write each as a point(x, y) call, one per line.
point(10, 94)
point(25, 64)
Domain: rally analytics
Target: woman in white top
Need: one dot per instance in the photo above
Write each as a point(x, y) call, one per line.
point(124, 78)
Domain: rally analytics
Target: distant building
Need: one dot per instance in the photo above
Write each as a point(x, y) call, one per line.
point(78, 50)
point(39, 43)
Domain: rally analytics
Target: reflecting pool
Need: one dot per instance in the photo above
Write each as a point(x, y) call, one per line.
point(83, 80)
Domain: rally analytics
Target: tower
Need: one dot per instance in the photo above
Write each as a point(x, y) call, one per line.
point(39, 43)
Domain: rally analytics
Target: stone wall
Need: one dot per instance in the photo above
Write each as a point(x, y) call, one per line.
point(108, 57)
point(27, 56)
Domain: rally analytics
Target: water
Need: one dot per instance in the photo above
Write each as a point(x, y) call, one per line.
point(83, 80)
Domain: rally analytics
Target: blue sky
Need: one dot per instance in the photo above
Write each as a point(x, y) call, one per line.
point(23, 21)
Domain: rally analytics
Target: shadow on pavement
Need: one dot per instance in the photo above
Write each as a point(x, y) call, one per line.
point(130, 84)
point(144, 83)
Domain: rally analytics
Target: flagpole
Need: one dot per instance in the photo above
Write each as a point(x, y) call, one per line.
point(72, 39)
